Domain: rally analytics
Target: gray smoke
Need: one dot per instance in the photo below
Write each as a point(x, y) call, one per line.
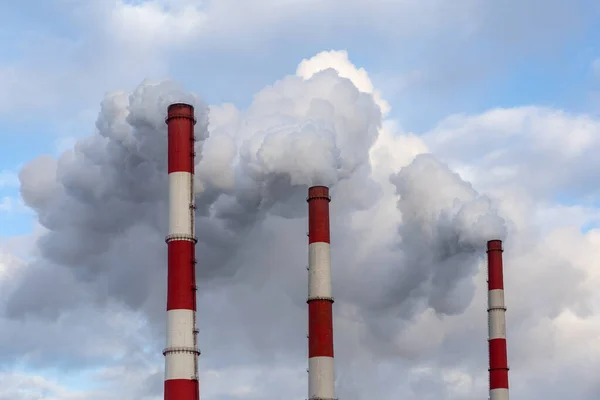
point(424, 268)
point(104, 207)
point(104, 202)
point(443, 234)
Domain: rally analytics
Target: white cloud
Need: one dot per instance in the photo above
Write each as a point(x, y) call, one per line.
point(8, 179)
point(8, 261)
point(149, 24)
point(522, 146)
point(28, 387)
point(13, 204)
point(6, 203)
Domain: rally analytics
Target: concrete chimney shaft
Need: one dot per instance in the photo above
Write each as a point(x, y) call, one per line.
point(181, 353)
point(498, 359)
point(320, 300)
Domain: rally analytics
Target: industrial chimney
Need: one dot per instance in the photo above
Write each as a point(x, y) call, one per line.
point(320, 301)
point(181, 353)
point(497, 323)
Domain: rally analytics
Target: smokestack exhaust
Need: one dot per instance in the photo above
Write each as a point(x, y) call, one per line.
point(497, 323)
point(181, 353)
point(320, 301)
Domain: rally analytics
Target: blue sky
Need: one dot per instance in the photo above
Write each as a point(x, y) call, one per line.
point(445, 70)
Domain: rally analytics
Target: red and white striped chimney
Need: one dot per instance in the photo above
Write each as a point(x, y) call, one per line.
point(181, 353)
point(497, 323)
point(320, 301)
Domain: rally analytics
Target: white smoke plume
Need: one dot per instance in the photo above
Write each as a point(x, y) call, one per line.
point(104, 206)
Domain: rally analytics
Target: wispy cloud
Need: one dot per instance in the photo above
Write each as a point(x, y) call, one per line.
point(13, 204)
point(8, 179)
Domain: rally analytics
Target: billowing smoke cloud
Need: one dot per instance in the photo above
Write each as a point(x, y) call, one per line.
point(444, 230)
point(423, 269)
point(104, 204)
point(106, 197)
point(104, 207)
point(296, 133)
